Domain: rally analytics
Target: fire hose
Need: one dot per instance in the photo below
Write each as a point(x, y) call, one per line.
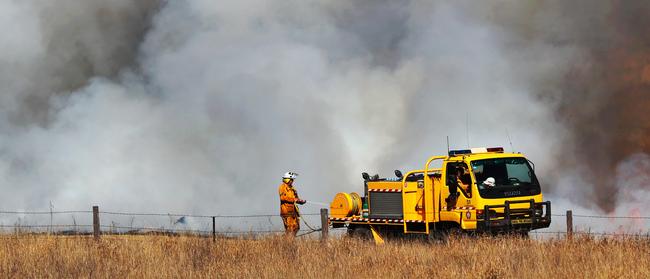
point(304, 221)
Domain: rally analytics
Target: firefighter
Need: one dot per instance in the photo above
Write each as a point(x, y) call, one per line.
point(464, 180)
point(452, 183)
point(288, 200)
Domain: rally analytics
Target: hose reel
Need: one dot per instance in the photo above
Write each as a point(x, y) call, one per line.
point(345, 205)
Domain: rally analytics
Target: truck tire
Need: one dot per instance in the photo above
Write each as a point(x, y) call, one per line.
point(438, 236)
point(524, 234)
point(455, 232)
point(360, 232)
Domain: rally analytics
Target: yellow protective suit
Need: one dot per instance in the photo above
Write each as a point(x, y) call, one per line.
point(288, 211)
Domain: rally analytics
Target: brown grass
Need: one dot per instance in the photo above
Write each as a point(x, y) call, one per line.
point(273, 257)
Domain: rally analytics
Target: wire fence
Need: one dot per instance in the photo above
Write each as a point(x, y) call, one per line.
point(117, 222)
point(604, 216)
point(114, 222)
point(569, 224)
point(588, 233)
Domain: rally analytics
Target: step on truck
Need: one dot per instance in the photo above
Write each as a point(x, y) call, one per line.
point(472, 191)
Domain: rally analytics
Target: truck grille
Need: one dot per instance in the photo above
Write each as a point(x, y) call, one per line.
point(385, 205)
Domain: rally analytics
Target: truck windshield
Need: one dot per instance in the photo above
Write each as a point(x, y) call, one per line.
point(505, 177)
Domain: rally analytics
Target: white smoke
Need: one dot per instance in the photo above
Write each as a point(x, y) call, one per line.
point(232, 95)
point(200, 106)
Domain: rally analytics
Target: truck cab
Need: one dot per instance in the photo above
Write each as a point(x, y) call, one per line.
point(478, 190)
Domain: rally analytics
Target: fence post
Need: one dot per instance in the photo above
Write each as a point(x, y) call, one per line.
point(96, 222)
point(569, 224)
point(324, 224)
point(214, 229)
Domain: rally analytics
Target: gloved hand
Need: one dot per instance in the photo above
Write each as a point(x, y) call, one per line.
point(301, 201)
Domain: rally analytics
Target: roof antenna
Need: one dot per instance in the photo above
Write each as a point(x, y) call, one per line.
point(467, 129)
point(447, 144)
point(509, 140)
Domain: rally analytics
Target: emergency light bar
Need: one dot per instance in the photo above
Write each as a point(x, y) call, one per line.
point(475, 151)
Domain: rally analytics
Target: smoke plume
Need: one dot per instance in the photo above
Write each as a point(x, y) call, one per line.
point(200, 106)
point(601, 97)
point(615, 79)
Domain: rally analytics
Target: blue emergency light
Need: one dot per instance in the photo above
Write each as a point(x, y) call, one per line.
point(459, 152)
point(475, 151)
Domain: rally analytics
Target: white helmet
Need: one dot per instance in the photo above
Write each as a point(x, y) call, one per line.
point(490, 182)
point(290, 175)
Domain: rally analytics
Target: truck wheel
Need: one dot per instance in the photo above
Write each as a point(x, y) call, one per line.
point(455, 232)
point(438, 237)
point(360, 233)
point(524, 234)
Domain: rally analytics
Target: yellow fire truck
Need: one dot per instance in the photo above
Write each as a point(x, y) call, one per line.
point(478, 190)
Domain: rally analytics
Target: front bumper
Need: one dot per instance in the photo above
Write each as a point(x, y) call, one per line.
point(535, 216)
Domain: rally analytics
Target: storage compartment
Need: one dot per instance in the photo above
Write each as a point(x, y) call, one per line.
point(385, 205)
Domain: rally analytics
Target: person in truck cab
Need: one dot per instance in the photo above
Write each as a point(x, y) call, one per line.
point(464, 179)
point(458, 177)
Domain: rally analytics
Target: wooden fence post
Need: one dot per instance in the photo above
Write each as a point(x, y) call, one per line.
point(214, 229)
point(324, 224)
point(96, 222)
point(569, 224)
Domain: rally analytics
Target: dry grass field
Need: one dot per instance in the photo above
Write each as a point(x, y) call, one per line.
point(32, 256)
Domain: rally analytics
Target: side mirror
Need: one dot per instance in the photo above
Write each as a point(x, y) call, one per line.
point(365, 176)
point(398, 174)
